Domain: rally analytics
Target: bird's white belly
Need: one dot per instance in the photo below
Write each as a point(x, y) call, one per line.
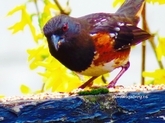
point(104, 68)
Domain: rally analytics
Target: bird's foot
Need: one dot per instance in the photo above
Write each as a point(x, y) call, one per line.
point(111, 84)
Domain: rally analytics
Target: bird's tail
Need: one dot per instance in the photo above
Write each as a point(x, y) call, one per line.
point(131, 8)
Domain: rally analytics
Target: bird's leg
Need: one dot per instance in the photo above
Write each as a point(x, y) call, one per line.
point(113, 82)
point(90, 81)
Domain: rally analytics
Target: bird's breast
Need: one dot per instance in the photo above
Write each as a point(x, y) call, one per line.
point(106, 58)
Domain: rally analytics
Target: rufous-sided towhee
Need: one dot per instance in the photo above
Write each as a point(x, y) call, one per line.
point(97, 43)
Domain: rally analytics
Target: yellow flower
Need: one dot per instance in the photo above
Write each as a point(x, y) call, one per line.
point(116, 2)
point(160, 49)
point(158, 76)
point(25, 20)
point(57, 77)
point(36, 55)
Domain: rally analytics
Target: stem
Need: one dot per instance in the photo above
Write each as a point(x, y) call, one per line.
point(42, 88)
point(38, 16)
point(60, 8)
point(151, 40)
point(153, 45)
point(37, 9)
point(38, 12)
point(103, 79)
point(143, 44)
point(143, 61)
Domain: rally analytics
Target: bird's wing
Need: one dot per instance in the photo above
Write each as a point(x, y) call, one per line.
point(121, 28)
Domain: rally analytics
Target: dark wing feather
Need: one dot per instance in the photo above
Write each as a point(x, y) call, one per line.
point(129, 35)
point(121, 28)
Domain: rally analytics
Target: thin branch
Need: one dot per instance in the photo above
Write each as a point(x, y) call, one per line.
point(61, 9)
point(38, 12)
point(153, 45)
point(143, 44)
point(103, 79)
point(42, 88)
point(151, 40)
point(37, 9)
point(38, 16)
point(143, 61)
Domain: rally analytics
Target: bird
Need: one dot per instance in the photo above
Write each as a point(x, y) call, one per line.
point(97, 43)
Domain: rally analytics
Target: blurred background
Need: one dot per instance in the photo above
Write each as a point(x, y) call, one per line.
point(14, 66)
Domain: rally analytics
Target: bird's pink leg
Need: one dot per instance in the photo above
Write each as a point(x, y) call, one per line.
point(88, 82)
point(113, 82)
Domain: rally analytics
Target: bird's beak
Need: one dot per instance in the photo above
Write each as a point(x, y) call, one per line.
point(56, 40)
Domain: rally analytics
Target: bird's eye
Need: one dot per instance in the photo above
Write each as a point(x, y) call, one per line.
point(65, 27)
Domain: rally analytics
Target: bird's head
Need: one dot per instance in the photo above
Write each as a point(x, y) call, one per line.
point(60, 29)
point(69, 41)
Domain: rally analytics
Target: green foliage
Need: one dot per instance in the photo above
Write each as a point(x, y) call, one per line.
point(94, 91)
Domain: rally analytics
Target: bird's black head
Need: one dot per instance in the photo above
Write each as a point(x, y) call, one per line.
point(69, 42)
point(59, 28)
